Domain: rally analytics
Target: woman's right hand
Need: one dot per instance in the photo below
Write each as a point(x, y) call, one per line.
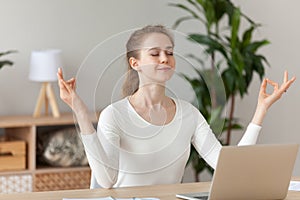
point(67, 89)
point(70, 97)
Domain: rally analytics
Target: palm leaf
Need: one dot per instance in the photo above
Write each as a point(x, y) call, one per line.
point(212, 44)
point(5, 62)
point(7, 52)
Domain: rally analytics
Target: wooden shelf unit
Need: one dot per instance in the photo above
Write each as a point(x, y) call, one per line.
point(26, 128)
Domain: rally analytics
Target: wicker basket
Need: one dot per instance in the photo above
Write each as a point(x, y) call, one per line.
point(62, 180)
point(16, 183)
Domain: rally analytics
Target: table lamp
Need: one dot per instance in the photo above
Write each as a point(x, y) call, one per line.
point(43, 68)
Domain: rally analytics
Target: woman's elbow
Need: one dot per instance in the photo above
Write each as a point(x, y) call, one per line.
point(107, 186)
point(107, 183)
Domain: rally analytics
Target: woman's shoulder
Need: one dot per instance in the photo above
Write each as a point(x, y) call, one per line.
point(116, 105)
point(187, 108)
point(184, 104)
point(182, 101)
point(114, 108)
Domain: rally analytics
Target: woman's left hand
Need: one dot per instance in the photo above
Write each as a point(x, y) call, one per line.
point(265, 100)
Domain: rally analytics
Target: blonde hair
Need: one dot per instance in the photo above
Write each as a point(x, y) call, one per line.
point(133, 47)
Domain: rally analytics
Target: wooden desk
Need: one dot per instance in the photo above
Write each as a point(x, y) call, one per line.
point(164, 192)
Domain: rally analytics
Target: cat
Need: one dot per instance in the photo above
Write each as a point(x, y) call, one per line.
point(62, 148)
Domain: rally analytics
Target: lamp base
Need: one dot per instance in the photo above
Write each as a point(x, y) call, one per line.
point(46, 96)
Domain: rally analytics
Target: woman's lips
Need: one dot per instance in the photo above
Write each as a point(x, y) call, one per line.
point(164, 68)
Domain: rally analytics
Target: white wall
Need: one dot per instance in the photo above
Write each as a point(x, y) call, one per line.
point(80, 26)
point(280, 20)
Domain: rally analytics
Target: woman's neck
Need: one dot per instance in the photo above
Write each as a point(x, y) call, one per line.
point(151, 103)
point(150, 95)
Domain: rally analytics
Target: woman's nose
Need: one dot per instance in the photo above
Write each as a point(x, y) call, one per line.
point(163, 57)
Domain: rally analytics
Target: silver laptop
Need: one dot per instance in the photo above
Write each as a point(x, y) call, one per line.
point(251, 172)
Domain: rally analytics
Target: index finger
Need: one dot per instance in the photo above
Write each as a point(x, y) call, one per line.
point(274, 84)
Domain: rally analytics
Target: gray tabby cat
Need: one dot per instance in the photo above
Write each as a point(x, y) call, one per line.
point(62, 148)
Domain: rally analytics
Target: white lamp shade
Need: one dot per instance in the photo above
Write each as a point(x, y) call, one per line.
point(44, 65)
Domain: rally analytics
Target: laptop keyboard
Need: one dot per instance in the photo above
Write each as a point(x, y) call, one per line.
point(201, 197)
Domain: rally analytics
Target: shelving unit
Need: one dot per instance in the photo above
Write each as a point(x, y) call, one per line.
point(35, 178)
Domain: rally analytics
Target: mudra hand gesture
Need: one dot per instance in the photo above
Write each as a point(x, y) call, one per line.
point(67, 89)
point(265, 100)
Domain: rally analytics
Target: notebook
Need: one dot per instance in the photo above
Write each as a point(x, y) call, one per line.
point(251, 172)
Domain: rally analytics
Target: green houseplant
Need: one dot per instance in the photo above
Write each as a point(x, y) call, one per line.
point(5, 62)
point(233, 56)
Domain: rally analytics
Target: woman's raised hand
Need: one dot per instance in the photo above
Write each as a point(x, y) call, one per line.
point(67, 89)
point(265, 100)
point(70, 97)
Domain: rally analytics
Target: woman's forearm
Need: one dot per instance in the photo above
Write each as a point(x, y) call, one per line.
point(259, 115)
point(83, 117)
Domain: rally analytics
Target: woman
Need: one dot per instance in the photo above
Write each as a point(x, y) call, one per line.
point(145, 138)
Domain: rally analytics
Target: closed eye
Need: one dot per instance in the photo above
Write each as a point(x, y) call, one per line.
point(170, 53)
point(154, 53)
point(157, 51)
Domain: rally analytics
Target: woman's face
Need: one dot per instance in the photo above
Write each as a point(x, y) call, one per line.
point(156, 63)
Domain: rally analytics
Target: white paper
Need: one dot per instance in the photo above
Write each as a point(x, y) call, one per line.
point(294, 185)
point(111, 198)
point(101, 198)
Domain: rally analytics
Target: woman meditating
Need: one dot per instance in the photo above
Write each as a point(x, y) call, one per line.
point(144, 138)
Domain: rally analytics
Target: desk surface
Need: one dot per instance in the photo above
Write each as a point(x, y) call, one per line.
point(163, 192)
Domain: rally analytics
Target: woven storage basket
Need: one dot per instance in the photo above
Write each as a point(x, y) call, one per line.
point(62, 180)
point(16, 183)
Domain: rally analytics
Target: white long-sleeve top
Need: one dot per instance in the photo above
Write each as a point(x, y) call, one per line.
point(127, 150)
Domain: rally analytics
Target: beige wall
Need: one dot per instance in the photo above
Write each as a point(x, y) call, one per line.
point(88, 32)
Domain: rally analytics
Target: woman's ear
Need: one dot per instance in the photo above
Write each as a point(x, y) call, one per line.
point(134, 63)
